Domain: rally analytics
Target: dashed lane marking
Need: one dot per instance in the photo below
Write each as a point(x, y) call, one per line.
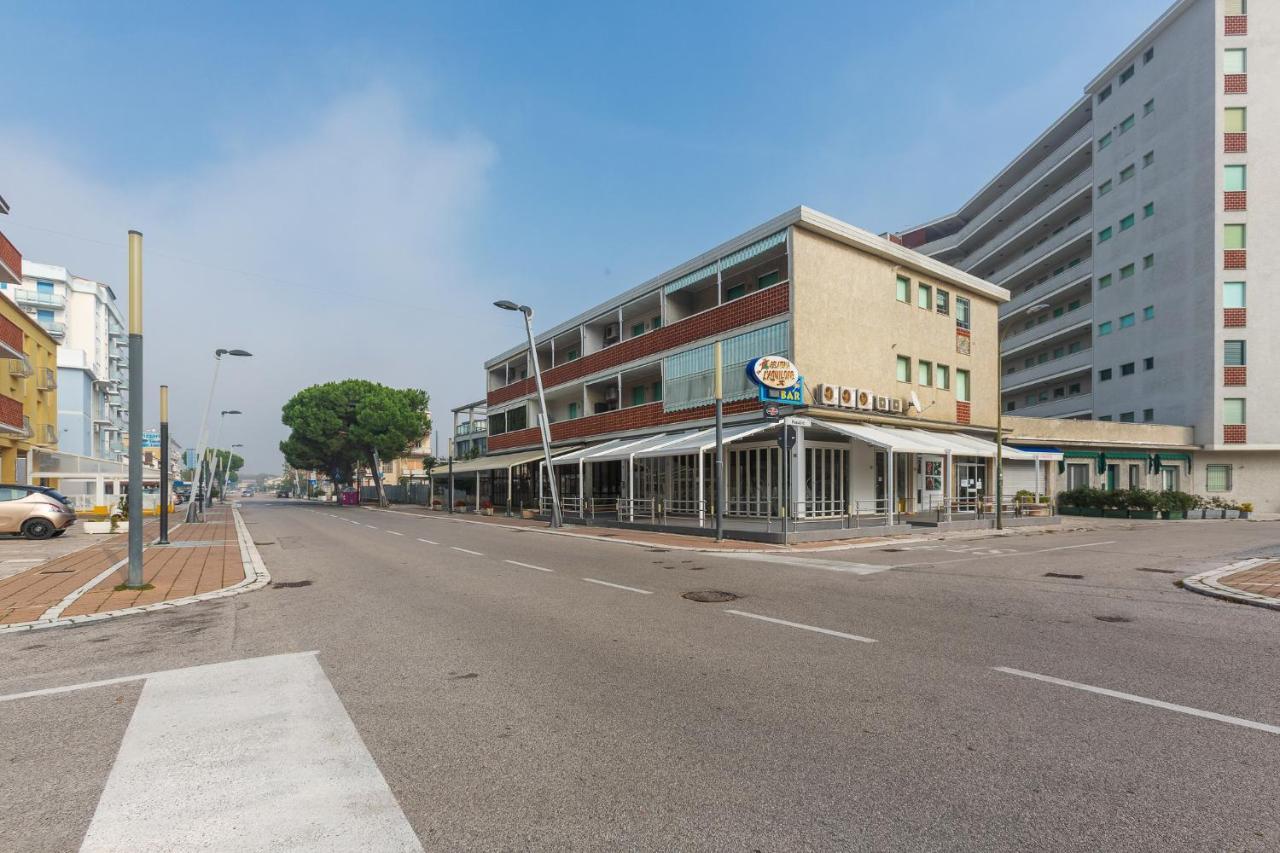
point(428, 542)
point(801, 626)
point(394, 533)
point(466, 551)
point(528, 565)
point(619, 586)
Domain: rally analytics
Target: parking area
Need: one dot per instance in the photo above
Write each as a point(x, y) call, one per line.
point(18, 554)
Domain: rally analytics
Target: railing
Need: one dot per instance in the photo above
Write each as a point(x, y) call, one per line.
point(1070, 277)
point(637, 509)
point(41, 300)
point(601, 506)
point(1026, 377)
point(1055, 407)
point(1040, 332)
point(54, 328)
point(683, 507)
point(48, 379)
point(21, 367)
point(1072, 186)
point(1015, 268)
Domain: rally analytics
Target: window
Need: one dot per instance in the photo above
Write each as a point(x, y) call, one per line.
point(1059, 392)
point(962, 386)
point(1233, 294)
point(1105, 93)
point(1127, 368)
point(962, 312)
point(1073, 388)
point(573, 411)
point(637, 395)
point(1104, 328)
point(1235, 120)
point(1077, 475)
point(637, 329)
point(769, 279)
point(1127, 124)
point(1107, 418)
point(924, 296)
point(657, 391)
point(1127, 418)
point(1217, 478)
point(1127, 222)
point(1127, 173)
point(1148, 159)
point(1234, 61)
point(1104, 375)
point(1126, 321)
point(1233, 411)
point(570, 354)
point(1148, 261)
point(736, 292)
point(1126, 271)
point(1233, 353)
point(1104, 187)
point(1029, 362)
point(943, 301)
point(1149, 55)
point(1148, 415)
point(1234, 237)
point(1104, 235)
point(1010, 406)
point(1237, 7)
point(1059, 311)
point(943, 375)
point(1149, 210)
point(1234, 178)
point(1104, 141)
point(1149, 313)
point(1105, 281)
point(904, 289)
point(1149, 107)
point(904, 369)
point(924, 373)
point(1073, 304)
point(1126, 75)
point(1149, 363)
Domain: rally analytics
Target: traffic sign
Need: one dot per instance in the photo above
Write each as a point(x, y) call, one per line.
point(777, 411)
point(800, 422)
point(787, 439)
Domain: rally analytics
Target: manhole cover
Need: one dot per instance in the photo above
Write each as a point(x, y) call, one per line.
point(1060, 575)
point(289, 584)
point(1113, 618)
point(709, 596)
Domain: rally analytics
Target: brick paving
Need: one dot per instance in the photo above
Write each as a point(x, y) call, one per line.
point(1263, 579)
point(174, 571)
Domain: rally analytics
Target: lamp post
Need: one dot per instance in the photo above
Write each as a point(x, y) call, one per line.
point(226, 472)
point(544, 422)
point(164, 466)
point(1030, 311)
point(217, 437)
point(134, 579)
point(192, 509)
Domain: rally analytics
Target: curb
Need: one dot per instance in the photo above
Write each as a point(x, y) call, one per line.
point(1209, 583)
point(256, 576)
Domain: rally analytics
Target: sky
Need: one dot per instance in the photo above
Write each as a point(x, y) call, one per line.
point(343, 189)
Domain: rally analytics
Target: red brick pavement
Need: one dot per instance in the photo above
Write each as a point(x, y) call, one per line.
point(1260, 580)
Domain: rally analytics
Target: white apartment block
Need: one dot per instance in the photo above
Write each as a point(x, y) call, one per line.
point(1132, 245)
point(83, 317)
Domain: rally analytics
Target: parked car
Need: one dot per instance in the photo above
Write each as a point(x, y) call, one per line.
point(36, 512)
point(247, 493)
point(283, 493)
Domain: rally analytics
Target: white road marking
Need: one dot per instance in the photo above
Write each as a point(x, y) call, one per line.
point(394, 533)
point(528, 565)
point(371, 527)
point(1069, 547)
point(620, 586)
point(1142, 700)
point(801, 626)
point(466, 551)
point(52, 691)
point(252, 754)
point(811, 563)
point(56, 610)
point(428, 542)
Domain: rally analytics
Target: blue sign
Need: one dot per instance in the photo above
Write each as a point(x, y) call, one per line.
point(793, 396)
point(150, 438)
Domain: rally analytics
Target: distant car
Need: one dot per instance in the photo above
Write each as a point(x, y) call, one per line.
point(247, 493)
point(36, 512)
point(283, 493)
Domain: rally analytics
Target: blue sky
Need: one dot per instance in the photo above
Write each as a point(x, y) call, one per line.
point(376, 174)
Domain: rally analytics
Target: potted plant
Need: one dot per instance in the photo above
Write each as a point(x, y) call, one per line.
point(1230, 509)
point(1196, 509)
point(1142, 504)
point(437, 504)
point(1175, 505)
point(1246, 507)
point(1115, 504)
point(486, 506)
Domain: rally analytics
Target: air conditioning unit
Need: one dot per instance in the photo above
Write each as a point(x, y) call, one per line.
point(848, 397)
point(829, 395)
point(863, 399)
point(895, 406)
point(882, 404)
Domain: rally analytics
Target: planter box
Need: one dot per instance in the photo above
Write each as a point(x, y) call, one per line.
point(1035, 510)
point(1148, 515)
point(1244, 514)
point(1069, 510)
point(104, 527)
point(1089, 511)
point(1113, 513)
point(1231, 513)
point(528, 513)
point(1174, 515)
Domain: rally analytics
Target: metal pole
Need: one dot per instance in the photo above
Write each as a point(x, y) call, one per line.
point(722, 491)
point(556, 520)
point(164, 466)
point(135, 410)
point(200, 445)
point(451, 475)
point(999, 454)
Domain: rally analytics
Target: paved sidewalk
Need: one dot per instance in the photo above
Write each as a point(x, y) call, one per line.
point(1255, 581)
point(202, 558)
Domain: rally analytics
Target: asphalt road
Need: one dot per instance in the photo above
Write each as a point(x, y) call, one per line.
point(524, 691)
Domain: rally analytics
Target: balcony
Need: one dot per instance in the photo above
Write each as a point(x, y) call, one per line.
point(1054, 368)
point(1077, 185)
point(1060, 407)
point(54, 328)
point(48, 379)
point(1081, 232)
point(1055, 327)
point(35, 299)
point(49, 434)
point(21, 367)
point(10, 262)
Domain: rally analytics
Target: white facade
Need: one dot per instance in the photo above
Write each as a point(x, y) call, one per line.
point(83, 317)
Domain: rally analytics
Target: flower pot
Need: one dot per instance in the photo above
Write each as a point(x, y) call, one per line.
point(1148, 515)
point(1244, 514)
point(1174, 515)
point(1113, 513)
point(528, 513)
point(102, 527)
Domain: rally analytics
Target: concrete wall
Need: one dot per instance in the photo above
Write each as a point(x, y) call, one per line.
point(1098, 432)
point(1255, 476)
point(75, 412)
point(850, 328)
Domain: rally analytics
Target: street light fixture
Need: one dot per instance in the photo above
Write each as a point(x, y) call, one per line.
point(226, 472)
point(217, 439)
point(1029, 311)
point(544, 422)
point(196, 504)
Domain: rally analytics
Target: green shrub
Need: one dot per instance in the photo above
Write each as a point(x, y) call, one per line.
point(1143, 500)
point(1176, 502)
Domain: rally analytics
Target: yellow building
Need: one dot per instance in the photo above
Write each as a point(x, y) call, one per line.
point(28, 392)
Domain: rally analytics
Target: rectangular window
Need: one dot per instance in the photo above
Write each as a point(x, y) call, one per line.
point(1234, 61)
point(1149, 363)
point(1235, 120)
point(657, 391)
point(1104, 141)
point(962, 312)
point(655, 323)
point(1104, 328)
point(1237, 7)
point(1149, 107)
point(1128, 368)
point(1127, 173)
point(943, 375)
point(573, 411)
point(1148, 415)
point(1235, 178)
point(1126, 75)
point(1073, 304)
point(690, 375)
point(1149, 210)
point(1104, 375)
point(1233, 353)
point(1233, 294)
point(1104, 187)
point(1126, 271)
point(1059, 311)
point(1127, 124)
point(1073, 388)
point(1149, 313)
point(1105, 93)
point(924, 373)
point(924, 296)
point(1148, 55)
point(904, 369)
point(1104, 235)
point(736, 292)
point(1217, 478)
point(1127, 418)
point(943, 301)
point(1107, 419)
point(962, 386)
point(1233, 411)
point(637, 329)
point(1148, 261)
point(637, 395)
point(1234, 237)
point(769, 279)
point(1127, 222)
point(1126, 321)
point(1148, 159)
point(1105, 281)
point(904, 289)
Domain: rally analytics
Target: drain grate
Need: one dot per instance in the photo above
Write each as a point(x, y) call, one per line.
point(1113, 618)
point(710, 596)
point(58, 572)
point(1060, 575)
point(290, 584)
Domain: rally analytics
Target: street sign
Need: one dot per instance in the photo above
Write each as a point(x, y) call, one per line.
point(776, 411)
point(787, 438)
point(800, 422)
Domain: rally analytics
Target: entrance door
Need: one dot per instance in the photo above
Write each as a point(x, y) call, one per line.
point(902, 480)
point(970, 483)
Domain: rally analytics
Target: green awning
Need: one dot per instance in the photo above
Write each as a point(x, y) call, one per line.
point(1125, 454)
point(1080, 454)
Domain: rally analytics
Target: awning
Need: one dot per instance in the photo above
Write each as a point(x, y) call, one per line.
point(489, 463)
point(653, 442)
point(592, 450)
point(1041, 453)
point(703, 440)
point(887, 438)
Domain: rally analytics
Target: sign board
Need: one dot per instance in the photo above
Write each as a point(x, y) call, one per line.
point(787, 439)
point(773, 371)
point(776, 411)
point(151, 438)
point(800, 422)
point(189, 458)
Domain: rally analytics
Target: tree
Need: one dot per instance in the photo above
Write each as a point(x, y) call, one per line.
point(338, 426)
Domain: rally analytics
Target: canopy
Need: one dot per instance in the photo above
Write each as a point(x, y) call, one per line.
point(887, 438)
point(653, 442)
point(592, 450)
point(489, 463)
point(700, 441)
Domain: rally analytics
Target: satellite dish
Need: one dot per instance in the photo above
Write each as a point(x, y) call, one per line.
point(915, 402)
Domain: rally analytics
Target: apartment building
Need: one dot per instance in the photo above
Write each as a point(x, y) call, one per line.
point(1133, 249)
point(83, 316)
point(470, 430)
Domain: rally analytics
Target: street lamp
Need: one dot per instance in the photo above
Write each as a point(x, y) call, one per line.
point(192, 508)
point(217, 438)
point(1029, 311)
point(226, 473)
point(508, 305)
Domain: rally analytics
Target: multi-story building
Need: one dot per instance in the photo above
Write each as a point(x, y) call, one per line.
point(1133, 249)
point(92, 356)
point(470, 430)
point(28, 386)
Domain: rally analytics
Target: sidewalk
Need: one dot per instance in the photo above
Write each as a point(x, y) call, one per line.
point(202, 560)
point(1255, 582)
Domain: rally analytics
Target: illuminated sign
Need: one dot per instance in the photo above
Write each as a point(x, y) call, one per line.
point(773, 371)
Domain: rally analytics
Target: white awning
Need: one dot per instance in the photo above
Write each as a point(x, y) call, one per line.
point(489, 463)
point(653, 442)
point(703, 440)
point(889, 438)
point(592, 450)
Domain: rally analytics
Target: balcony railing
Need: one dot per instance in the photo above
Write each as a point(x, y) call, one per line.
point(40, 300)
point(1067, 321)
point(1067, 280)
point(21, 367)
point(1071, 363)
point(48, 379)
point(1072, 404)
point(54, 328)
point(1010, 271)
point(49, 435)
point(1079, 183)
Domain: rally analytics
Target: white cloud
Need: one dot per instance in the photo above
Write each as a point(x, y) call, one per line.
point(335, 250)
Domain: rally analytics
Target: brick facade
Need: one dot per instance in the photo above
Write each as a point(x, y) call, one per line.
point(1236, 25)
point(11, 333)
point(1234, 375)
point(1235, 200)
point(963, 412)
point(1235, 434)
point(10, 411)
point(1234, 318)
point(1235, 143)
point(10, 259)
point(1234, 259)
point(1235, 84)
point(740, 312)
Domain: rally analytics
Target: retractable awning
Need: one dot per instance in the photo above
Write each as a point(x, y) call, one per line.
point(703, 440)
point(591, 451)
point(653, 442)
point(489, 463)
point(899, 440)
